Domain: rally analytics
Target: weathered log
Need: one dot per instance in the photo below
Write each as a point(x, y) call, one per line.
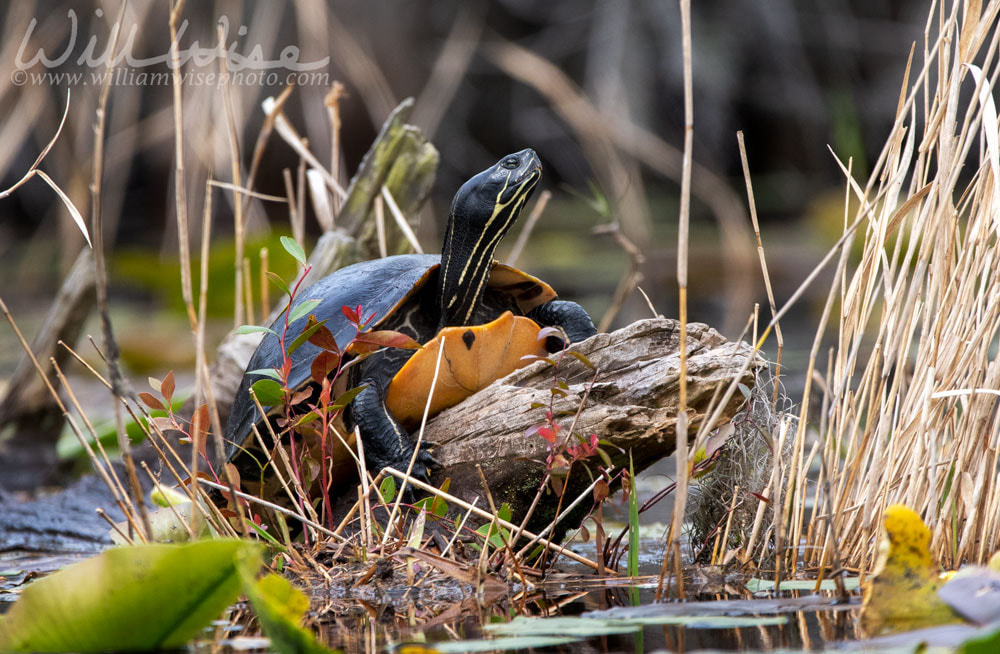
point(632, 404)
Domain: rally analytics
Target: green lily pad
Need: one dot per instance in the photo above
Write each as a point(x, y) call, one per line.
point(279, 606)
point(501, 644)
point(137, 598)
point(561, 626)
point(760, 585)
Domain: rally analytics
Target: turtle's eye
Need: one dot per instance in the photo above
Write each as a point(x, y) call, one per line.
point(510, 163)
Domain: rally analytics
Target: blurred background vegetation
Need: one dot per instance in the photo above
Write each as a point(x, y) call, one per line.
point(594, 86)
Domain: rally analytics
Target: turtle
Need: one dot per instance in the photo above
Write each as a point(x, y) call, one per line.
point(487, 316)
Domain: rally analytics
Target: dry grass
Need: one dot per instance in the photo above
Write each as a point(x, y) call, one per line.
point(907, 399)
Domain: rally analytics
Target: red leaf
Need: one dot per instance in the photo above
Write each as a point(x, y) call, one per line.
point(547, 434)
point(601, 491)
point(323, 338)
point(353, 316)
point(151, 401)
point(234, 475)
point(370, 341)
point(324, 363)
point(167, 387)
point(300, 396)
point(324, 393)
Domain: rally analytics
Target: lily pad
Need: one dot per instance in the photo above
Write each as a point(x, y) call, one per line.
point(761, 585)
point(501, 644)
point(279, 606)
point(137, 598)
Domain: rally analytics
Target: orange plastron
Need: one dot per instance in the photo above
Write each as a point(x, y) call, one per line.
point(473, 358)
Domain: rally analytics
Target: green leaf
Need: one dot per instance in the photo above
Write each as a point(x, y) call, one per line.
point(138, 598)
point(293, 248)
point(254, 329)
point(267, 372)
point(307, 418)
point(348, 396)
point(439, 507)
point(303, 309)
point(306, 334)
point(268, 392)
point(388, 489)
point(279, 282)
point(279, 606)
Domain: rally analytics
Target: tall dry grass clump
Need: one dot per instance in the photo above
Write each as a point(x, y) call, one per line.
point(906, 397)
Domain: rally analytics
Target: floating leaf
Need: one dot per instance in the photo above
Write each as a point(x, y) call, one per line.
point(293, 248)
point(302, 309)
point(763, 585)
point(268, 392)
point(500, 644)
point(279, 606)
point(561, 626)
point(138, 598)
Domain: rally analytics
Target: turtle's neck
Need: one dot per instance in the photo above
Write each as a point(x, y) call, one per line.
point(466, 263)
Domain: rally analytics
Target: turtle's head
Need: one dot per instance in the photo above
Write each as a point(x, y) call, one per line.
point(499, 191)
point(484, 208)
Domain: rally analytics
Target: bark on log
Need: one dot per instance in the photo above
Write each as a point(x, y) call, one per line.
point(633, 404)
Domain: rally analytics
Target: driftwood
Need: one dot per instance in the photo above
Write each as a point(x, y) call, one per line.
point(632, 404)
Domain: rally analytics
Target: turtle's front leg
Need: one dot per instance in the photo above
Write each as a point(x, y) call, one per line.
point(568, 315)
point(386, 442)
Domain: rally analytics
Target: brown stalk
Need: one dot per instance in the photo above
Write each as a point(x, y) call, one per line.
point(100, 261)
point(763, 267)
